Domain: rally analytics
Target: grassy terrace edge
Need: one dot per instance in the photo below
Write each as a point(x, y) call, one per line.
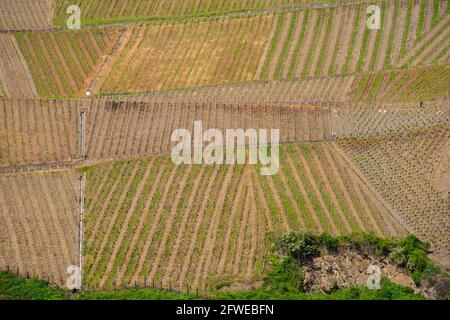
point(59, 21)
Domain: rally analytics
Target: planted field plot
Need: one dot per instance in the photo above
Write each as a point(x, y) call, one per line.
point(26, 14)
point(151, 222)
point(101, 11)
point(363, 121)
point(412, 84)
point(15, 77)
point(38, 131)
point(126, 128)
point(188, 55)
point(63, 63)
point(336, 40)
point(406, 169)
point(39, 224)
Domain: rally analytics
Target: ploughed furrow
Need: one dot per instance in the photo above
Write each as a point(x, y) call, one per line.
point(15, 77)
point(191, 226)
point(403, 168)
point(38, 131)
point(39, 215)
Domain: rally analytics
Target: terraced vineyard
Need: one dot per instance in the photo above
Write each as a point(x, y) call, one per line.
point(363, 114)
point(15, 76)
point(413, 84)
point(407, 170)
point(63, 63)
point(151, 221)
point(39, 224)
point(319, 42)
point(38, 131)
point(26, 14)
point(111, 125)
point(187, 55)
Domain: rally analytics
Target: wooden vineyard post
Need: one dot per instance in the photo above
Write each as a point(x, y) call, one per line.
point(81, 129)
point(80, 230)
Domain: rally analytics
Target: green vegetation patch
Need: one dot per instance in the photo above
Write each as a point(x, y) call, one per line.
point(17, 288)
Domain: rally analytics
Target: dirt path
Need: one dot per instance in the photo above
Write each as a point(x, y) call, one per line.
point(125, 225)
point(117, 51)
point(106, 61)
